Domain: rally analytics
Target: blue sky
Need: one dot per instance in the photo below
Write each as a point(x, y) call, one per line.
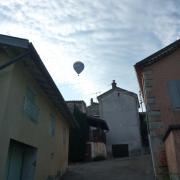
point(109, 36)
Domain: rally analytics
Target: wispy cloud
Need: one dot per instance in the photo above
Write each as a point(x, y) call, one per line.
point(108, 36)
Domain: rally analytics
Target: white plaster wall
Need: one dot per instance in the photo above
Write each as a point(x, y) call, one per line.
point(98, 149)
point(121, 114)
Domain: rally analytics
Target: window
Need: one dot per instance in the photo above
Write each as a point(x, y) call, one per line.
point(30, 106)
point(174, 92)
point(64, 131)
point(52, 124)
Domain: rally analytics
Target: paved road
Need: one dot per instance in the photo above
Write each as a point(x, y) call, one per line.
point(137, 168)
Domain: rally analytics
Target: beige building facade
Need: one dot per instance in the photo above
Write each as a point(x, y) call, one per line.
point(34, 119)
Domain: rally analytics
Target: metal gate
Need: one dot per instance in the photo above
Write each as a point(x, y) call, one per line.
point(21, 161)
point(120, 150)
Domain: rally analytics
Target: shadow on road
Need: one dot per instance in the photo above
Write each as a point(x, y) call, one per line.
point(137, 168)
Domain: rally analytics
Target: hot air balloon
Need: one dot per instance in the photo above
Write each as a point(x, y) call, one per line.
point(78, 67)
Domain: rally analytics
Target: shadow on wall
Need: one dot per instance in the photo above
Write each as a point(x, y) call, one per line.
point(78, 137)
point(144, 132)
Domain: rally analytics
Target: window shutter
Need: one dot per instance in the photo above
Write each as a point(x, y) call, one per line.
point(30, 107)
point(53, 125)
point(174, 92)
point(30, 95)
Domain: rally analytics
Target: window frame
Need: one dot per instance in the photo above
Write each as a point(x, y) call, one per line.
point(30, 105)
point(174, 94)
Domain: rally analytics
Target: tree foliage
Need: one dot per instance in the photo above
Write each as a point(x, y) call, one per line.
point(78, 137)
point(143, 129)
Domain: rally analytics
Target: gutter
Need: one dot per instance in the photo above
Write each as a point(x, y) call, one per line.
point(152, 155)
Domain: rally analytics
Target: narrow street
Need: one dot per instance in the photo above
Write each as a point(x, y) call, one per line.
point(137, 168)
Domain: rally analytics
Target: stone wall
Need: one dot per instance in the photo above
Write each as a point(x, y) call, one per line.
point(172, 145)
point(155, 125)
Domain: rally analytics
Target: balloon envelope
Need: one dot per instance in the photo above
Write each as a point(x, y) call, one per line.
point(78, 67)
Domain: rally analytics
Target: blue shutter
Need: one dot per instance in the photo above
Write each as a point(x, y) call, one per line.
point(30, 106)
point(30, 94)
point(53, 125)
point(174, 92)
point(64, 135)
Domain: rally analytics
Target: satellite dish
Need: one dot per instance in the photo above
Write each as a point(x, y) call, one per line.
point(78, 67)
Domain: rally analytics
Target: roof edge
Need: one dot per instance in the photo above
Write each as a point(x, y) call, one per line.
point(35, 58)
point(117, 88)
point(66, 114)
point(159, 54)
point(14, 41)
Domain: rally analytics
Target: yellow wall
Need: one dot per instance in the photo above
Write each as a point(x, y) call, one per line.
point(15, 124)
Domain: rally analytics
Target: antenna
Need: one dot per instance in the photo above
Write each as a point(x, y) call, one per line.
point(96, 93)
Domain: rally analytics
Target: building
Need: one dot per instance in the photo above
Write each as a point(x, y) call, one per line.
point(96, 144)
point(159, 80)
point(81, 105)
point(34, 118)
point(91, 133)
point(93, 109)
point(119, 108)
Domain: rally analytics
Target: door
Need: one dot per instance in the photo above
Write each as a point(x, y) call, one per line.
point(21, 161)
point(29, 164)
point(15, 160)
point(120, 150)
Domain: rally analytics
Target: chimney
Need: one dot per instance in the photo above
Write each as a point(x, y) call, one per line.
point(91, 101)
point(113, 84)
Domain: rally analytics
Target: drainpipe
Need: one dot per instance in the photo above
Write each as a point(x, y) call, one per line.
point(152, 155)
point(150, 144)
point(14, 60)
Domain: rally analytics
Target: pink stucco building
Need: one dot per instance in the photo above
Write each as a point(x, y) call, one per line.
point(159, 80)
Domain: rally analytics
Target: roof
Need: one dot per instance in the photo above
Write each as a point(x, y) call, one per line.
point(37, 69)
point(94, 103)
point(81, 105)
point(159, 55)
point(119, 89)
point(172, 127)
point(96, 122)
point(76, 101)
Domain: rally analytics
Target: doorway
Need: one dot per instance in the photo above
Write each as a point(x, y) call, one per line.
point(120, 150)
point(21, 163)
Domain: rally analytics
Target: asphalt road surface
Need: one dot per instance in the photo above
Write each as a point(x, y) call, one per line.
point(136, 168)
